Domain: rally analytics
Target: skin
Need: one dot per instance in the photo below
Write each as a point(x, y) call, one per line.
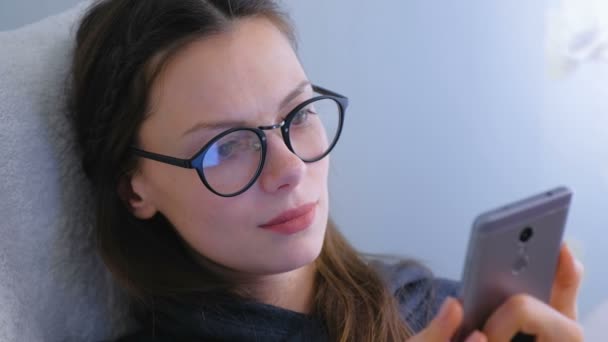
point(244, 74)
point(553, 322)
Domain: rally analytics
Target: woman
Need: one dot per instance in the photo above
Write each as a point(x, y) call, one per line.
point(207, 146)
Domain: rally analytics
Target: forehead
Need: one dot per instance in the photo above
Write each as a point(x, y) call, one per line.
point(249, 67)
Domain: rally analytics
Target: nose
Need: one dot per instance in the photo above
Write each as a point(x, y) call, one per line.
point(283, 170)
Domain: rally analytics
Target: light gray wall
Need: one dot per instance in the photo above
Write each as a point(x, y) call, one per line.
point(452, 114)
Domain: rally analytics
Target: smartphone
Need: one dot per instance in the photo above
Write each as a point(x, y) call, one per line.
point(513, 249)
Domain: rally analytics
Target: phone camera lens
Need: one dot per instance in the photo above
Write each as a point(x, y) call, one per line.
point(526, 234)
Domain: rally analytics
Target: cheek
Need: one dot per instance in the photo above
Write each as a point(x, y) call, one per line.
point(216, 227)
point(174, 186)
point(317, 179)
point(183, 199)
point(323, 174)
point(196, 213)
point(320, 171)
point(193, 207)
point(208, 223)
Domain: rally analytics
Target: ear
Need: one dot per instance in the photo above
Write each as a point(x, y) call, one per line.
point(132, 191)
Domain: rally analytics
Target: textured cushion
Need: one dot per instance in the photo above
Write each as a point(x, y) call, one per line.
point(53, 285)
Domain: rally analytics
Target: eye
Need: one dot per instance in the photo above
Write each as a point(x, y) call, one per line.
point(240, 143)
point(226, 149)
point(302, 116)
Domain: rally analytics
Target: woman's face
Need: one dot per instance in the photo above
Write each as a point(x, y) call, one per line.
point(247, 76)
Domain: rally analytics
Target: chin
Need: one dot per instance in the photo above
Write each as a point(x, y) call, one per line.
point(295, 254)
point(300, 259)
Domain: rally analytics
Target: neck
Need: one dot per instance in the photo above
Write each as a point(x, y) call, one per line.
point(293, 290)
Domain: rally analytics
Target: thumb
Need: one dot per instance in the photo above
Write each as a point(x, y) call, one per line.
point(444, 325)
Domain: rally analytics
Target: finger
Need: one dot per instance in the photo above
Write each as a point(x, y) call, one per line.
point(476, 336)
point(444, 325)
point(566, 284)
point(525, 314)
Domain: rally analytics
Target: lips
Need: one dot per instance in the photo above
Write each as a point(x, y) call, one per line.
point(293, 220)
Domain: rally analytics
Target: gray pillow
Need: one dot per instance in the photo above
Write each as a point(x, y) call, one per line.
point(53, 286)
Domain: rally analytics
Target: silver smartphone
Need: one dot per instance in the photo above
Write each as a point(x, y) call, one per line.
point(513, 249)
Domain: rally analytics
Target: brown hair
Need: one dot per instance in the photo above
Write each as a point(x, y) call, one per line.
point(121, 46)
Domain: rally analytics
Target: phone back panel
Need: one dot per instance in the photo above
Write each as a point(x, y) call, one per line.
point(500, 265)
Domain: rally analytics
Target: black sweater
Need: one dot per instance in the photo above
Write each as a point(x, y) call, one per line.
point(418, 293)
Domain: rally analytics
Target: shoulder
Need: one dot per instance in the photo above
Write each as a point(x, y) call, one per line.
point(418, 292)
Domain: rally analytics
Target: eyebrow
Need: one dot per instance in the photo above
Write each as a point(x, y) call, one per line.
point(294, 93)
point(233, 123)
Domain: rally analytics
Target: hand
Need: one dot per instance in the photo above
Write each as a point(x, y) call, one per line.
point(445, 325)
point(554, 322)
point(521, 313)
point(567, 282)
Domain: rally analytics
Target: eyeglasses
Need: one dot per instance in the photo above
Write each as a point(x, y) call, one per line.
point(232, 161)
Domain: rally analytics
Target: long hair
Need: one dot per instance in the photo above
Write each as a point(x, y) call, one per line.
point(121, 47)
